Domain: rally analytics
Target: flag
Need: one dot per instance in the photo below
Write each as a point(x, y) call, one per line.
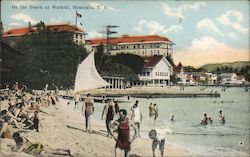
point(78, 15)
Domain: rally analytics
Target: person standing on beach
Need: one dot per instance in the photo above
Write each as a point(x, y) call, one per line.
point(88, 110)
point(108, 111)
point(158, 136)
point(77, 99)
point(123, 141)
point(136, 116)
point(222, 117)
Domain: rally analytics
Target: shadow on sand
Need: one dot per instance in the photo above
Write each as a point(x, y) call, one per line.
point(92, 131)
point(134, 155)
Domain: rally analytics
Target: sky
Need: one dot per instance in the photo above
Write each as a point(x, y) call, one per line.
point(203, 31)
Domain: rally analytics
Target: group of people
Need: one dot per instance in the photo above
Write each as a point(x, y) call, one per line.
point(208, 120)
point(23, 110)
point(153, 111)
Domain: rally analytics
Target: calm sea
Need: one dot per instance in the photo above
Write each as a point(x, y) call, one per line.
point(231, 139)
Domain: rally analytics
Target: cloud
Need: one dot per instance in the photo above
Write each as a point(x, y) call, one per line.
point(101, 7)
point(209, 50)
point(13, 24)
point(58, 19)
point(23, 17)
point(95, 34)
point(209, 25)
point(233, 18)
point(232, 35)
point(154, 27)
point(179, 11)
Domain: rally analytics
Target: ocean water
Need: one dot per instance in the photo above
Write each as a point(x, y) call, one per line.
point(231, 139)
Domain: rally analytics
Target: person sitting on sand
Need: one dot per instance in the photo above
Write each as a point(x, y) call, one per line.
point(204, 120)
point(88, 110)
point(23, 144)
point(6, 131)
point(222, 117)
point(136, 117)
point(123, 141)
point(108, 111)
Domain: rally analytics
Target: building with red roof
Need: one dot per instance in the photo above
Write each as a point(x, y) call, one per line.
point(78, 35)
point(156, 71)
point(147, 45)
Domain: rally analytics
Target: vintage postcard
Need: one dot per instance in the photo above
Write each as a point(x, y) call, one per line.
point(125, 78)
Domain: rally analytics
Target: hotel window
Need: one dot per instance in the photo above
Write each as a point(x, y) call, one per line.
point(148, 73)
point(134, 46)
point(158, 52)
point(127, 47)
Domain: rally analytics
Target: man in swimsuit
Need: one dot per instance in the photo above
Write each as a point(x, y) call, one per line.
point(123, 141)
point(222, 117)
point(108, 111)
point(88, 110)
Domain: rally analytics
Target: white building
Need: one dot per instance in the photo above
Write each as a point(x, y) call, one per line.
point(156, 72)
point(231, 78)
point(76, 34)
point(211, 78)
point(185, 78)
point(147, 45)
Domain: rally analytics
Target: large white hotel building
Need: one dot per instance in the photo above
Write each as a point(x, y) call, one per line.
point(148, 45)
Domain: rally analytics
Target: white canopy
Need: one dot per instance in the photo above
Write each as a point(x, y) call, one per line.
point(87, 77)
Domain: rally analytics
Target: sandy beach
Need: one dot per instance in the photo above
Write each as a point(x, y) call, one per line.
point(64, 129)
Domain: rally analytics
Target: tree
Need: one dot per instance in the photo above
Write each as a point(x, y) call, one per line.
point(50, 57)
point(134, 62)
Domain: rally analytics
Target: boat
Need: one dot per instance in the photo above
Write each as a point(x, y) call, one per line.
point(87, 76)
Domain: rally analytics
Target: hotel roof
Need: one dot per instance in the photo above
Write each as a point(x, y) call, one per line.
point(151, 61)
point(55, 28)
point(129, 39)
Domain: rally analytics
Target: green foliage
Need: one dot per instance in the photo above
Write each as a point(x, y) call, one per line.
point(49, 58)
point(118, 70)
point(240, 68)
point(121, 65)
point(134, 62)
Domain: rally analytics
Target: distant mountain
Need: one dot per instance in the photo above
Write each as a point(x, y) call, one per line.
point(234, 65)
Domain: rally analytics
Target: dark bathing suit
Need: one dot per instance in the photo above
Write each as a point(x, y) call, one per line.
point(123, 136)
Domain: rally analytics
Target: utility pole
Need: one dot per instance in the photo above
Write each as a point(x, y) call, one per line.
point(108, 33)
